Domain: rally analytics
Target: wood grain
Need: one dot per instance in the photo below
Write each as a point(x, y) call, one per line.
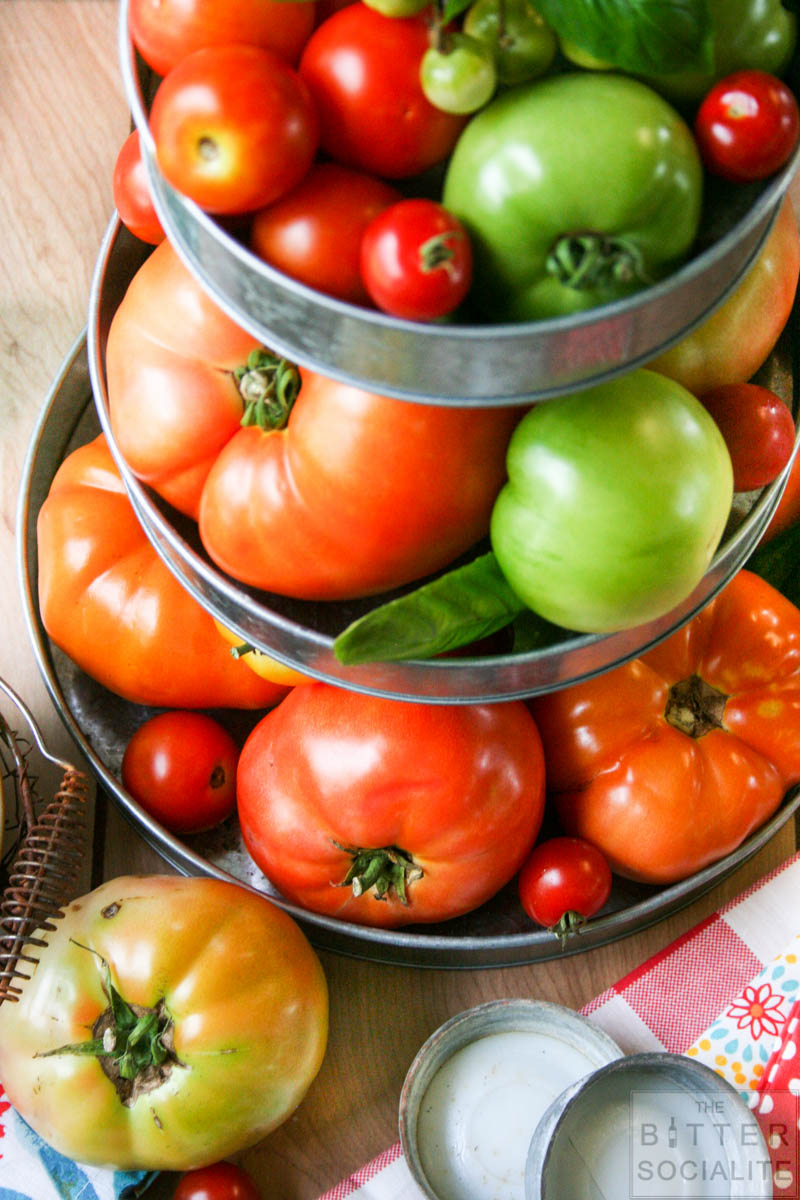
point(62, 119)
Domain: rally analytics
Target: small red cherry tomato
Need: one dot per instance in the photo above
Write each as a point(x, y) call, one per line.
point(314, 233)
point(758, 429)
point(234, 127)
point(564, 881)
point(416, 260)
point(220, 1181)
point(131, 192)
point(747, 126)
point(181, 768)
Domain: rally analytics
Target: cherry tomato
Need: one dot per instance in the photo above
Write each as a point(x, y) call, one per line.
point(522, 42)
point(460, 76)
point(234, 127)
point(758, 429)
point(259, 662)
point(165, 31)
point(563, 882)
point(747, 126)
point(362, 69)
point(220, 1181)
point(314, 233)
point(416, 260)
point(181, 768)
point(131, 190)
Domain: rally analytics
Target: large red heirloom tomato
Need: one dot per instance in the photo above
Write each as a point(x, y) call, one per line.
point(109, 602)
point(387, 813)
point(177, 375)
point(357, 494)
point(168, 1023)
point(668, 762)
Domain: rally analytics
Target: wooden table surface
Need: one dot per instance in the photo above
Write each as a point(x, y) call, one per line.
point(62, 119)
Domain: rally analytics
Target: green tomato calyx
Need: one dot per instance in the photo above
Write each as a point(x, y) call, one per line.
point(133, 1044)
point(569, 924)
point(595, 261)
point(269, 386)
point(382, 869)
point(695, 707)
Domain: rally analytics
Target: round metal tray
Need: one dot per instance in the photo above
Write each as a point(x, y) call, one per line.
point(459, 364)
point(301, 633)
point(496, 935)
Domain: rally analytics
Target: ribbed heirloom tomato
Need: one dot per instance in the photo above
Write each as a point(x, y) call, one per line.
point(388, 813)
point(177, 378)
point(109, 602)
point(168, 1023)
point(669, 762)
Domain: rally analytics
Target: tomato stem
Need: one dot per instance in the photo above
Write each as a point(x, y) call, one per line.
point(269, 386)
point(437, 252)
point(695, 707)
point(132, 1043)
point(383, 869)
point(595, 260)
point(569, 924)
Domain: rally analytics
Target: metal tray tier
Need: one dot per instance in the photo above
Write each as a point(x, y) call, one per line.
point(301, 633)
point(497, 935)
point(458, 364)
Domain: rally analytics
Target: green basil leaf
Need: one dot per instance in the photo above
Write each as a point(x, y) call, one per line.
point(453, 9)
point(459, 607)
point(778, 561)
point(645, 37)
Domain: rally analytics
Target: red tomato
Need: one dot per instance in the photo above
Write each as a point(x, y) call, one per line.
point(221, 1181)
point(234, 127)
point(359, 492)
point(181, 768)
point(731, 344)
point(165, 31)
point(747, 126)
point(363, 71)
point(109, 602)
point(131, 190)
point(416, 260)
point(177, 371)
point(383, 812)
point(314, 233)
point(563, 882)
point(788, 510)
point(758, 429)
point(670, 761)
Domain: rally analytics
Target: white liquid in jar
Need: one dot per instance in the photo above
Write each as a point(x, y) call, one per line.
point(478, 1115)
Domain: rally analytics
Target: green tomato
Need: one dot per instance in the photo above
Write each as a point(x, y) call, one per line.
point(576, 190)
point(522, 42)
point(459, 77)
point(616, 500)
point(397, 8)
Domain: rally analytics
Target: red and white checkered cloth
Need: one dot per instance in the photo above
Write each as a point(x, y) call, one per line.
point(727, 992)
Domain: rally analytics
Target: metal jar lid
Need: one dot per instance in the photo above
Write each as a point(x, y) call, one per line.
point(653, 1126)
point(478, 1086)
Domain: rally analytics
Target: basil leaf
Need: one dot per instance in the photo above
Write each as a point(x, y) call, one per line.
point(459, 607)
point(645, 37)
point(453, 9)
point(778, 561)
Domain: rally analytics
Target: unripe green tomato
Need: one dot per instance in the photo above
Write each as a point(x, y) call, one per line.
point(616, 500)
point(522, 42)
point(461, 76)
point(397, 8)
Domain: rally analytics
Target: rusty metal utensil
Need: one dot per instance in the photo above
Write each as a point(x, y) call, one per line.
point(47, 867)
